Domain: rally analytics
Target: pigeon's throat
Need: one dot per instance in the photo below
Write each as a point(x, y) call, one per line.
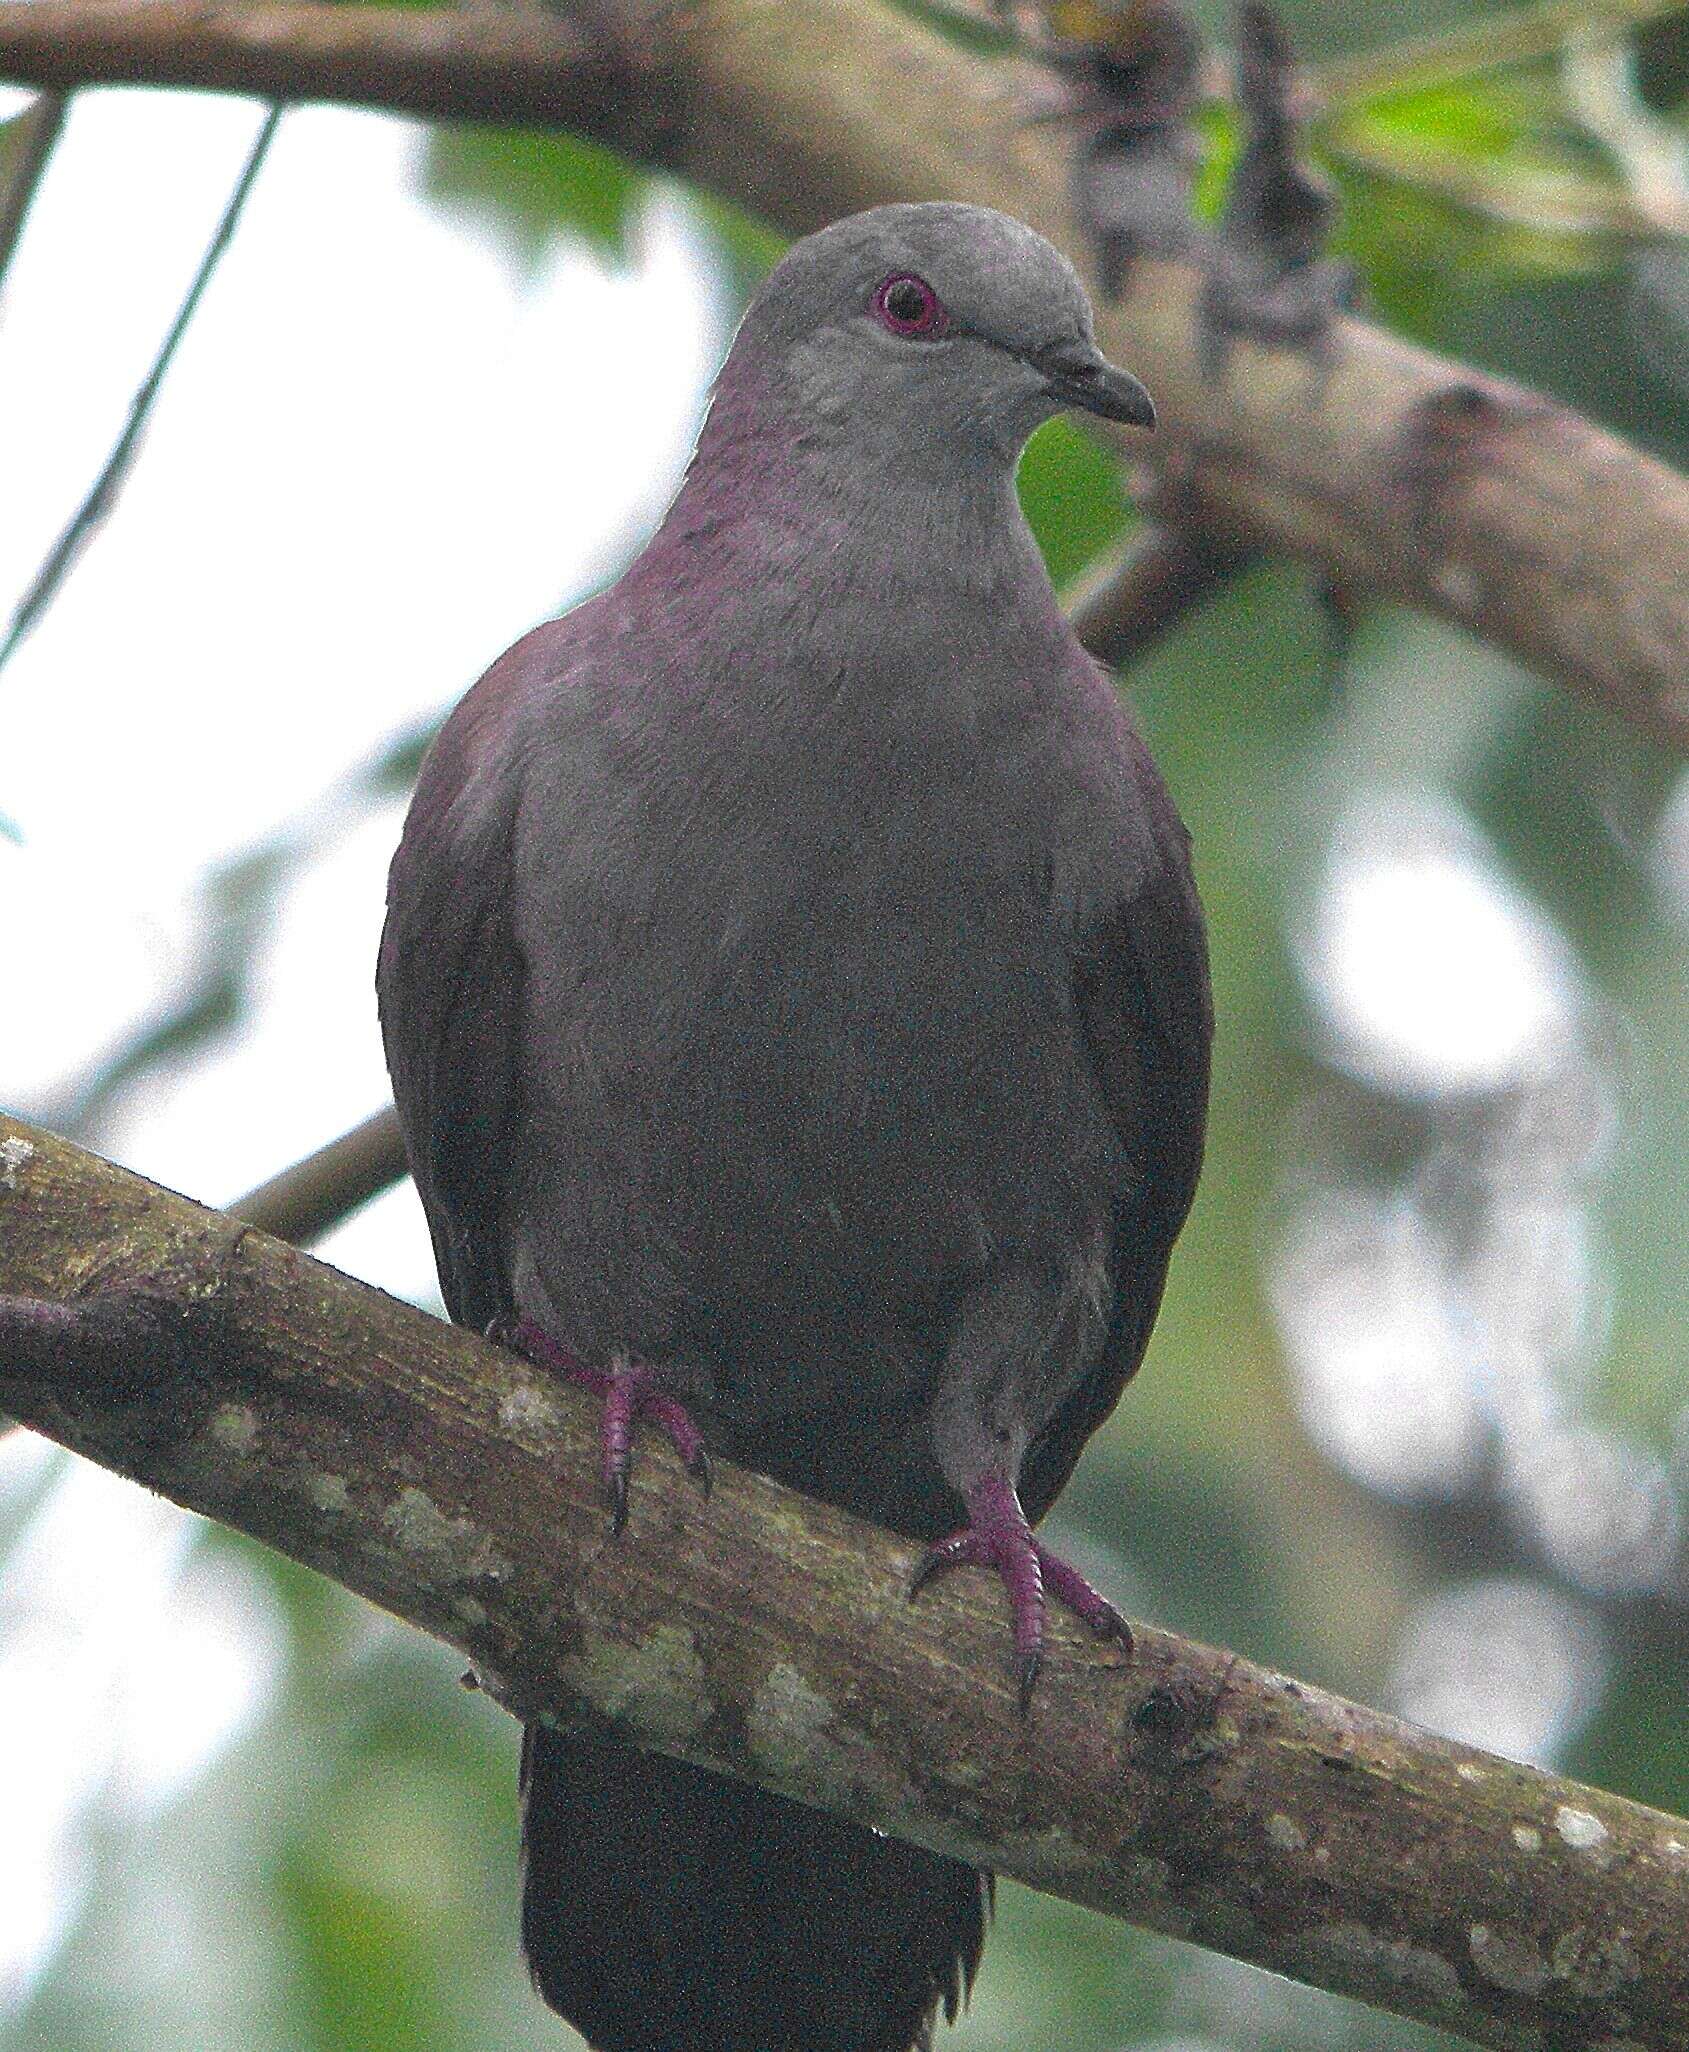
point(756, 509)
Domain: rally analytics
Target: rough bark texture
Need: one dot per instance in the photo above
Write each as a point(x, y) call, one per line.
point(1399, 472)
point(769, 1637)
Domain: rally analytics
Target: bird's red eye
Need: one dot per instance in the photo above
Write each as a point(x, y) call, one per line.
point(909, 306)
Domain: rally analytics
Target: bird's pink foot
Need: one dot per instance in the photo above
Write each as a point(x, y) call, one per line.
point(629, 1390)
point(998, 1536)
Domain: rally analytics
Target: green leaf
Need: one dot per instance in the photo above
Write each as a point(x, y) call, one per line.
point(531, 188)
point(1220, 134)
point(1510, 148)
point(1422, 257)
point(397, 766)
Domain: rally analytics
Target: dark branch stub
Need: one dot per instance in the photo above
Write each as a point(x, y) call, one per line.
point(1267, 279)
point(1134, 78)
point(36, 134)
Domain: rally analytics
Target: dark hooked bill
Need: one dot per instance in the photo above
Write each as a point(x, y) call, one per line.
point(1078, 374)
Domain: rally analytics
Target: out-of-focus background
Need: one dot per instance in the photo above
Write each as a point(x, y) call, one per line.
point(1415, 1423)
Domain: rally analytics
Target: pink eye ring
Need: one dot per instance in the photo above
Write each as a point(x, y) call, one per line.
point(909, 306)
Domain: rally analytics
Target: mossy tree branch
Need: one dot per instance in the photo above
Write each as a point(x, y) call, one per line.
point(1396, 471)
point(769, 1637)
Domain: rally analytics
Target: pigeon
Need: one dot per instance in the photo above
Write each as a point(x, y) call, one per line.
point(797, 1004)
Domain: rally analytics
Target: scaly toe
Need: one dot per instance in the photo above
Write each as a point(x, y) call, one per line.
point(629, 1391)
point(998, 1536)
point(959, 1550)
point(1070, 1589)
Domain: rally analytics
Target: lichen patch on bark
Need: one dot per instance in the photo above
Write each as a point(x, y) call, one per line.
point(1593, 1963)
point(660, 1683)
point(1285, 1832)
point(235, 1428)
point(1583, 1831)
point(529, 1414)
point(15, 1153)
point(452, 1546)
point(1509, 1959)
point(1371, 1953)
point(329, 1494)
point(792, 1727)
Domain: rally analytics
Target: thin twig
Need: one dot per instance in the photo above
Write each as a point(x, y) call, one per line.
point(102, 495)
point(38, 129)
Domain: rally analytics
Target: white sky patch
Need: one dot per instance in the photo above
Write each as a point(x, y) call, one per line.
point(194, 1687)
point(1602, 1508)
point(382, 455)
point(1511, 1665)
point(24, 1462)
point(1381, 1353)
point(91, 952)
point(305, 1061)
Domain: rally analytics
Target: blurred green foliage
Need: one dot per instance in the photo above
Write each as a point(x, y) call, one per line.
point(529, 188)
point(361, 1832)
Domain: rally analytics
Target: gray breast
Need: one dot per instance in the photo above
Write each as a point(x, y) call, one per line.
point(809, 1060)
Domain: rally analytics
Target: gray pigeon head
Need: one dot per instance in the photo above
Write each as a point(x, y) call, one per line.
point(929, 338)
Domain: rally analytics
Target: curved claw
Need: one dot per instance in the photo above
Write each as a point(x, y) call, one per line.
point(998, 1536)
point(1070, 1589)
point(630, 1391)
point(960, 1547)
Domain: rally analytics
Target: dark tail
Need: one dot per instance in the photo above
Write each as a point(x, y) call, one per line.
point(669, 1910)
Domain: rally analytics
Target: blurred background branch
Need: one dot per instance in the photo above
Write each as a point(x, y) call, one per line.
point(770, 1637)
point(308, 1199)
point(1162, 574)
point(1514, 36)
point(313, 1196)
point(1398, 473)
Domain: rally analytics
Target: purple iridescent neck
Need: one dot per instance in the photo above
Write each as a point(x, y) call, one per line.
point(769, 487)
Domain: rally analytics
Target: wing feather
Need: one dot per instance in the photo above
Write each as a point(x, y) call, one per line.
point(450, 982)
point(1145, 1011)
